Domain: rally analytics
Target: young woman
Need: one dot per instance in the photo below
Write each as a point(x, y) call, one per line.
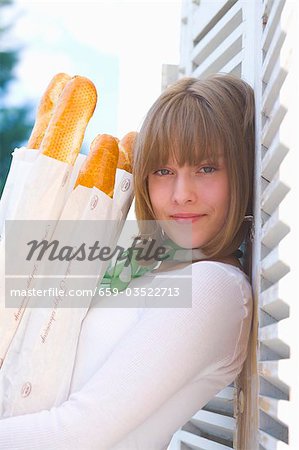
point(141, 373)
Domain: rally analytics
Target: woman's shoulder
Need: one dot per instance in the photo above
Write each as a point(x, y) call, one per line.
point(222, 279)
point(228, 268)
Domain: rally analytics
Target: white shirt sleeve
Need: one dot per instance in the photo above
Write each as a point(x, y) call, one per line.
point(163, 351)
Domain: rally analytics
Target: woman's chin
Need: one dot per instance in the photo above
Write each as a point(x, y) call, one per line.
point(183, 238)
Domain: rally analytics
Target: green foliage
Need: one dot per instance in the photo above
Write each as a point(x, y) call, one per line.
point(8, 60)
point(15, 122)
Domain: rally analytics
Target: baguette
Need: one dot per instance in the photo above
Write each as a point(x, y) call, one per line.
point(99, 167)
point(64, 135)
point(126, 145)
point(45, 109)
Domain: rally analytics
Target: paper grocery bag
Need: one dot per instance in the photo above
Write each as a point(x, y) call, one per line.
point(36, 189)
point(22, 159)
point(17, 180)
point(44, 348)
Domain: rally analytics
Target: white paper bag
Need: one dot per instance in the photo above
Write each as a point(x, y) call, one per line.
point(43, 349)
point(22, 159)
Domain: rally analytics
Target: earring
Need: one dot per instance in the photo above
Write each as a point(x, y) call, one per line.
point(251, 230)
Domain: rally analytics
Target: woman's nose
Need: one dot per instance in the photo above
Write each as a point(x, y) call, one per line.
point(184, 190)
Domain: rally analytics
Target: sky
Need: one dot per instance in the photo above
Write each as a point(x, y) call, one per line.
point(119, 45)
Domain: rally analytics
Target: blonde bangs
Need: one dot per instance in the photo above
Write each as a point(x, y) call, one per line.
point(171, 132)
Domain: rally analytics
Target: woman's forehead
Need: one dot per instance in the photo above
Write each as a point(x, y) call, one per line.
point(215, 156)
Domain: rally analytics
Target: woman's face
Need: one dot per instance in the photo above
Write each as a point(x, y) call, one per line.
point(201, 191)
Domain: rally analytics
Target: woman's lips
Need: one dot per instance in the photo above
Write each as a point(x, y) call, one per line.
point(187, 218)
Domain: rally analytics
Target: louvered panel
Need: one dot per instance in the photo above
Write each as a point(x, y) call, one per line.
point(277, 409)
point(273, 427)
point(222, 402)
point(218, 425)
point(274, 265)
point(274, 194)
point(234, 66)
point(276, 239)
point(275, 110)
point(270, 443)
point(207, 16)
point(275, 118)
point(277, 73)
point(275, 51)
point(272, 12)
point(215, 37)
point(275, 229)
point(277, 373)
point(199, 443)
point(218, 34)
point(229, 48)
point(276, 98)
point(274, 300)
point(277, 149)
point(277, 337)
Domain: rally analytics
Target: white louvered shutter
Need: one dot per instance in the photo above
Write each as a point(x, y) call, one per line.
point(256, 40)
point(277, 199)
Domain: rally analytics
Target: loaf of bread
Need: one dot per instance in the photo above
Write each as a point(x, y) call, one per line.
point(99, 167)
point(126, 145)
point(45, 109)
point(64, 135)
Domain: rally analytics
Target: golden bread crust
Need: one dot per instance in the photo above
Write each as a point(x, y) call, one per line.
point(65, 133)
point(45, 109)
point(126, 145)
point(99, 167)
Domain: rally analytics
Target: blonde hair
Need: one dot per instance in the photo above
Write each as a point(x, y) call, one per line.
point(192, 120)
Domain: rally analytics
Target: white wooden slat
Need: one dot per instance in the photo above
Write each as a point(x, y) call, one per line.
point(275, 265)
point(275, 52)
point(277, 337)
point(230, 47)
point(208, 15)
point(275, 118)
point(272, 426)
point(199, 443)
point(277, 409)
point(276, 73)
point(217, 35)
point(234, 65)
point(273, 14)
point(275, 229)
point(277, 372)
point(275, 88)
point(271, 443)
point(222, 402)
point(274, 300)
point(274, 194)
point(215, 424)
point(277, 149)
point(278, 111)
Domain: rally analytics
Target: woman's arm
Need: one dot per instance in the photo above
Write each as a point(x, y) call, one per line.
point(165, 350)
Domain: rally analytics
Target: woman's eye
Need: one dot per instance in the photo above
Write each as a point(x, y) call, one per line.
point(162, 172)
point(208, 169)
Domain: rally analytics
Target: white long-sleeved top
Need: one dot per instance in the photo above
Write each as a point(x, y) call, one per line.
point(141, 373)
